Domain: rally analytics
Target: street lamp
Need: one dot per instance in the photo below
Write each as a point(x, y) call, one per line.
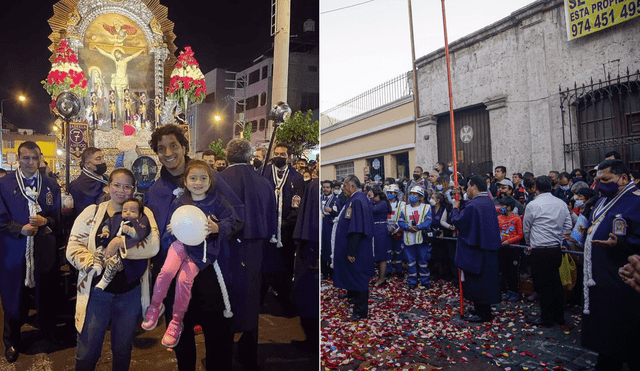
point(20, 98)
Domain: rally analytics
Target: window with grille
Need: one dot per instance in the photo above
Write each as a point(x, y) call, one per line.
point(343, 170)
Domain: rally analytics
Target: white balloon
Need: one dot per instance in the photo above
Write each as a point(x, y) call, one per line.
point(188, 224)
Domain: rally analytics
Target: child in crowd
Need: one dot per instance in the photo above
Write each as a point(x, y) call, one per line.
point(131, 224)
point(511, 233)
point(183, 261)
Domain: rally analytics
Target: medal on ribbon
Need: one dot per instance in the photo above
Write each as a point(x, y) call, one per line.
point(619, 226)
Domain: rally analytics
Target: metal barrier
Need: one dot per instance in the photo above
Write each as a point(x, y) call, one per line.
point(520, 246)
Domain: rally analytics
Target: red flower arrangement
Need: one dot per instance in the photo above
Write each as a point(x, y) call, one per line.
point(65, 74)
point(187, 81)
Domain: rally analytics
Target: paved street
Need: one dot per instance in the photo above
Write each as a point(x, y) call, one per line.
point(275, 351)
point(421, 329)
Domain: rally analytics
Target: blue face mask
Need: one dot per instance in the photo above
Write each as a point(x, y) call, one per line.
point(579, 203)
point(565, 188)
point(391, 196)
point(503, 210)
point(439, 187)
point(578, 179)
point(413, 199)
point(608, 189)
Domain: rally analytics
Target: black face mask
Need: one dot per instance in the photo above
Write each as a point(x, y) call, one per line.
point(101, 168)
point(220, 168)
point(279, 161)
point(417, 177)
point(257, 163)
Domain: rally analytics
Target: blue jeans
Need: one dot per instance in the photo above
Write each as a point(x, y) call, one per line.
point(123, 311)
point(417, 262)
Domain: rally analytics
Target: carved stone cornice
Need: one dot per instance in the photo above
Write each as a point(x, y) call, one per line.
point(427, 120)
point(496, 102)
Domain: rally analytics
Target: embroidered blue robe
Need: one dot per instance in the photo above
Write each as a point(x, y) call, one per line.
point(246, 247)
point(294, 185)
point(307, 280)
point(281, 259)
point(14, 214)
point(85, 191)
point(354, 276)
point(612, 326)
point(335, 203)
point(477, 252)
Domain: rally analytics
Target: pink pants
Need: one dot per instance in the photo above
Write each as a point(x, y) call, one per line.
point(177, 262)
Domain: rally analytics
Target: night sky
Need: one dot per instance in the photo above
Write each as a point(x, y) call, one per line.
point(231, 36)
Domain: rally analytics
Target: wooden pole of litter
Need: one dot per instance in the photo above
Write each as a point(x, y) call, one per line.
point(453, 136)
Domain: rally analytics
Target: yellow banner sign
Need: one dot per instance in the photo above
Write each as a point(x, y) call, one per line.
point(585, 17)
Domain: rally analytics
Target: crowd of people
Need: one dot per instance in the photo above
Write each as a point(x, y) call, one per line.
point(488, 232)
point(261, 235)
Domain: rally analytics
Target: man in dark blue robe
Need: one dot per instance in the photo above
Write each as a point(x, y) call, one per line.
point(307, 281)
point(277, 266)
point(29, 213)
point(611, 324)
point(353, 247)
point(478, 244)
point(246, 248)
point(88, 188)
point(331, 206)
point(170, 144)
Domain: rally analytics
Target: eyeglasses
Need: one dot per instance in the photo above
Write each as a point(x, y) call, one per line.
point(125, 187)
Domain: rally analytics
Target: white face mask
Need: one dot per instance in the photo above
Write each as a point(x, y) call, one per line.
point(336, 192)
point(432, 202)
point(466, 198)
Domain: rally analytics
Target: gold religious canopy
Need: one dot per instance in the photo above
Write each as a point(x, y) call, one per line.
point(73, 18)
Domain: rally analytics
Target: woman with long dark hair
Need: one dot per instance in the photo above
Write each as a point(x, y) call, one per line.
point(123, 301)
point(381, 240)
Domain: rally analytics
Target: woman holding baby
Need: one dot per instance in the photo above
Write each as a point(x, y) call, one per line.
point(122, 301)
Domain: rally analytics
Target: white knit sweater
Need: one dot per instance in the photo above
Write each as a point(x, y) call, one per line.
point(82, 245)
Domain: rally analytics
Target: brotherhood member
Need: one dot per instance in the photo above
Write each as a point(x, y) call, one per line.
point(611, 322)
point(209, 156)
point(29, 212)
point(289, 189)
point(246, 248)
point(396, 257)
point(88, 188)
point(258, 157)
point(221, 164)
point(415, 217)
point(337, 190)
point(331, 206)
point(477, 252)
point(352, 245)
point(306, 281)
point(170, 144)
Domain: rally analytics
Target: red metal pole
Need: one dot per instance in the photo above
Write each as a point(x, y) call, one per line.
point(453, 136)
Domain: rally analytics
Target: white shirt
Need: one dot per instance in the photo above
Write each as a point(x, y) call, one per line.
point(545, 221)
